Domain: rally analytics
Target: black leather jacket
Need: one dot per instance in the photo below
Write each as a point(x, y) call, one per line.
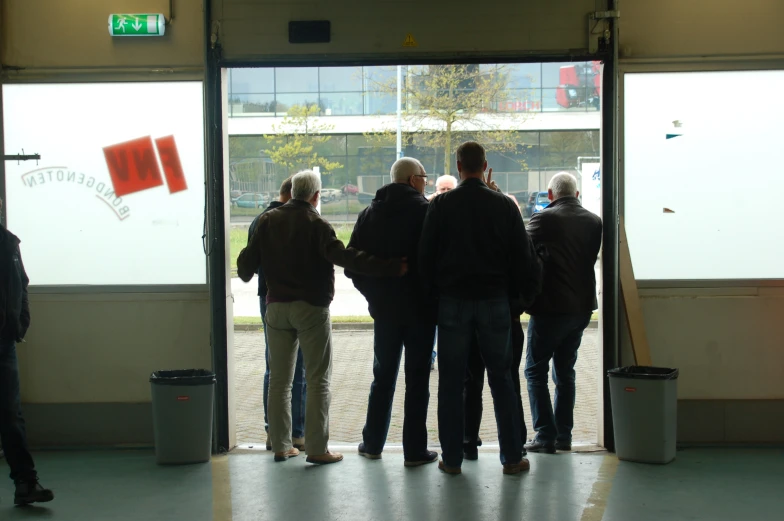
point(14, 305)
point(567, 238)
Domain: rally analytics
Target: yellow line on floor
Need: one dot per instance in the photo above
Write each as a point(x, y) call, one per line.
point(221, 489)
point(597, 501)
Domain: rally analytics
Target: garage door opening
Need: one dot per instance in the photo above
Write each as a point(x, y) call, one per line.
point(350, 124)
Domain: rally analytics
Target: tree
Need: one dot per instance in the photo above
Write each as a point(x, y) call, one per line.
point(446, 104)
point(294, 140)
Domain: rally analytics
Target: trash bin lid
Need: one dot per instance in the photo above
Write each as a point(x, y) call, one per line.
point(183, 377)
point(644, 372)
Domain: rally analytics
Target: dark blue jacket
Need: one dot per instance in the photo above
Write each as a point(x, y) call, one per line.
point(390, 228)
point(14, 305)
point(262, 281)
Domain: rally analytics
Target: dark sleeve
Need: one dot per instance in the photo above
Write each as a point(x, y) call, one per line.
point(428, 248)
point(252, 230)
point(249, 260)
point(535, 228)
point(356, 242)
point(527, 272)
point(352, 259)
point(24, 319)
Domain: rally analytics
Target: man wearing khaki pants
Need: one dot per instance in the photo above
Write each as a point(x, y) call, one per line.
point(297, 250)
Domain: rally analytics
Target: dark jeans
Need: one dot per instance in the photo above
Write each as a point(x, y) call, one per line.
point(475, 379)
point(458, 322)
point(12, 426)
point(555, 337)
point(388, 341)
point(298, 389)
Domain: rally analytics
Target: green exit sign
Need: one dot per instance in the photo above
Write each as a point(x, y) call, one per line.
point(137, 24)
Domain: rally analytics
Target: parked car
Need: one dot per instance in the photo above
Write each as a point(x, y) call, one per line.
point(536, 203)
point(251, 201)
point(330, 194)
point(350, 189)
point(234, 194)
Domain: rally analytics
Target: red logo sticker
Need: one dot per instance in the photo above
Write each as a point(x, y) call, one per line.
point(172, 167)
point(631, 389)
point(183, 398)
point(133, 166)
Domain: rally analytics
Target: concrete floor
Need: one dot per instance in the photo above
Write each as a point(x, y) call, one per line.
point(353, 372)
point(702, 484)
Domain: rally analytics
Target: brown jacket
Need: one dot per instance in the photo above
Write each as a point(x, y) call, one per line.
point(297, 250)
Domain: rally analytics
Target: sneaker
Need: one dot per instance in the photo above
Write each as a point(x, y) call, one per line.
point(516, 468)
point(547, 447)
point(563, 445)
point(365, 454)
point(28, 492)
point(325, 459)
point(283, 456)
point(299, 443)
point(449, 470)
point(428, 457)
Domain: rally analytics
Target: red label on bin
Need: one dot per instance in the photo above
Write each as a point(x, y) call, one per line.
point(183, 398)
point(631, 389)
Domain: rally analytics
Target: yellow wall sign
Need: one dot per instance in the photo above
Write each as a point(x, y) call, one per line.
point(410, 42)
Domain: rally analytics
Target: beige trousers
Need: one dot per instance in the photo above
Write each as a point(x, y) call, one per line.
point(288, 322)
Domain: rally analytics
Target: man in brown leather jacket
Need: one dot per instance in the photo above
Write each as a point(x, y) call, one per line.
point(297, 250)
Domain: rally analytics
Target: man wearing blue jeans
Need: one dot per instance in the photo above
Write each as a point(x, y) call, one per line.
point(299, 387)
point(14, 322)
point(567, 239)
point(404, 316)
point(475, 256)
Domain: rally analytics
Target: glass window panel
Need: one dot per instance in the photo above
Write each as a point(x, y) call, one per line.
point(340, 79)
point(380, 103)
point(524, 75)
point(252, 104)
point(341, 103)
point(284, 102)
point(249, 81)
point(687, 156)
point(90, 202)
point(296, 79)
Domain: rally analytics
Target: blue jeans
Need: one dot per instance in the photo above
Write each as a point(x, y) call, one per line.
point(298, 389)
point(555, 337)
point(12, 426)
point(458, 322)
point(388, 341)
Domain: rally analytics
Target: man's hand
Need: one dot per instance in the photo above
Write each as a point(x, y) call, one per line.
point(403, 266)
point(489, 181)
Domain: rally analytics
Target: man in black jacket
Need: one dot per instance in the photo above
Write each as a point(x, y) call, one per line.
point(390, 227)
point(567, 238)
point(299, 387)
point(475, 255)
point(14, 322)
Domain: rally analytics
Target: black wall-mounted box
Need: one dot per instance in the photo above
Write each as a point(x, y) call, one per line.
point(310, 31)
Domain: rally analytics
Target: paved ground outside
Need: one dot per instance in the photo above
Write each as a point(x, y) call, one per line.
point(351, 378)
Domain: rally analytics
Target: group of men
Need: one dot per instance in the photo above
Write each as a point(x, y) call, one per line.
point(462, 262)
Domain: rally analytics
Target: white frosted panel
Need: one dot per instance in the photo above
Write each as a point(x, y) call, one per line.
point(75, 228)
point(708, 203)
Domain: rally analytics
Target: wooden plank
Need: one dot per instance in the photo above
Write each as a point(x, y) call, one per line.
point(631, 302)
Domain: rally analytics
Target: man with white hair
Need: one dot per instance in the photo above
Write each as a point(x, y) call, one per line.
point(567, 239)
point(402, 312)
point(297, 250)
point(444, 184)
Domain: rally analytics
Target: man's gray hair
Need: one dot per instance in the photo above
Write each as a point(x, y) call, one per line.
point(304, 185)
point(404, 168)
point(447, 178)
point(563, 184)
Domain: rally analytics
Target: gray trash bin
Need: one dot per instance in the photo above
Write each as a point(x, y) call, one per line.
point(644, 411)
point(182, 409)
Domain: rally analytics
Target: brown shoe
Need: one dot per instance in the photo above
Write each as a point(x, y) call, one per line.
point(449, 470)
point(325, 459)
point(516, 468)
point(283, 456)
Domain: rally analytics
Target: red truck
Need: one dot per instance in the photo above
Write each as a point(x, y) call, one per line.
point(579, 85)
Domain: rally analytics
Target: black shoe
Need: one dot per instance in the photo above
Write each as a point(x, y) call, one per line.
point(540, 446)
point(365, 454)
point(470, 452)
point(428, 457)
point(563, 445)
point(28, 492)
